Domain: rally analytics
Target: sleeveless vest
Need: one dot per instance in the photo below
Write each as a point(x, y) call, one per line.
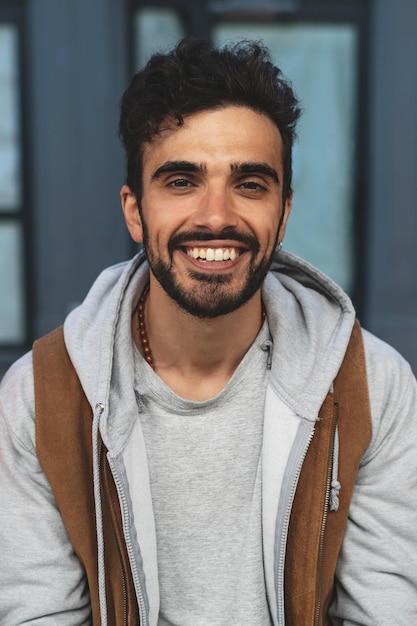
point(64, 448)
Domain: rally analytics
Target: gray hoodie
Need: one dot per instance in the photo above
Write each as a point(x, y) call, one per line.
point(310, 319)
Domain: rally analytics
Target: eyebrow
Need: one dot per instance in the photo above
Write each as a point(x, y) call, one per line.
point(240, 168)
point(178, 166)
point(255, 168)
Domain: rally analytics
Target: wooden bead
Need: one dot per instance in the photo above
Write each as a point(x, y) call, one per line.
point(142, 328)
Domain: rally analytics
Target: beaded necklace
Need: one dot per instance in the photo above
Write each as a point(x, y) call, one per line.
point(147, 352)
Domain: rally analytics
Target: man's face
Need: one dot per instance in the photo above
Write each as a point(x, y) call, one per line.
point(211, 208)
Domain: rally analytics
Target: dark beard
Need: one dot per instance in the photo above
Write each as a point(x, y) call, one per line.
point(213, 297)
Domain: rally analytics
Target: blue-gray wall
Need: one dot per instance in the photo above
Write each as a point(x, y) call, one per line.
point(391, 293)
point(78, 59)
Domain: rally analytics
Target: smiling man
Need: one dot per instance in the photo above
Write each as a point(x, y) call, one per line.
point(210, 214)
point(211, 439)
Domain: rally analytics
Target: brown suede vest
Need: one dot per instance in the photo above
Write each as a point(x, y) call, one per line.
point(64, 447)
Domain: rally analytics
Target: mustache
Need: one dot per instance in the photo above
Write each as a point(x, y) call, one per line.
point(228, 233)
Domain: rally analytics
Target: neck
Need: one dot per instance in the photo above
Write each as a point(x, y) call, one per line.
point(197, 351)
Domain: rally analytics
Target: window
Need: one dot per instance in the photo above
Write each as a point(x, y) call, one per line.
point(320, 60)
point(155, 29)
point(320, 47)
point(13, 282)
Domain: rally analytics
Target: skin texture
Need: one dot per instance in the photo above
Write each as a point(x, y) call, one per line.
point(213, 184)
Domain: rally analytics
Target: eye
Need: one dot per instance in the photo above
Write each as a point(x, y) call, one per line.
point(180, 183)
point(251, 185)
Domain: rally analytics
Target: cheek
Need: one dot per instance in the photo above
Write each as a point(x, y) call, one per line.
point(156, 235)
point(163, 220)
point(267, 232)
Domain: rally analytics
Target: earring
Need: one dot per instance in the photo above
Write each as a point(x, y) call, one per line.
point(278, 247)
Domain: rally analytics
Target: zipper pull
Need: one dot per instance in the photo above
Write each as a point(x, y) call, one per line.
point(335, 485)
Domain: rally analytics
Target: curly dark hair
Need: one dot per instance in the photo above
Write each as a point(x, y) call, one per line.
point(194, 77)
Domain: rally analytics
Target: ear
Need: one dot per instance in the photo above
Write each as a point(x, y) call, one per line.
point(284, 218)
point(131, 213)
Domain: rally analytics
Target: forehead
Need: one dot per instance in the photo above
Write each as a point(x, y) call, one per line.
point(231, 134)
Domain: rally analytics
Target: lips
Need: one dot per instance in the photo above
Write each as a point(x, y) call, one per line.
point(213, 254)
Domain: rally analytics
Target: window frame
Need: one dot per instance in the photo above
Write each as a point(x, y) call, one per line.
point(13, 12)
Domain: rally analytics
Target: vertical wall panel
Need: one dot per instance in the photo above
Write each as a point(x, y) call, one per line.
point(391, 285)
point(78, 52)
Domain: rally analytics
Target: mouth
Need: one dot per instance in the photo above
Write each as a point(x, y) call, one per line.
point(200, 253)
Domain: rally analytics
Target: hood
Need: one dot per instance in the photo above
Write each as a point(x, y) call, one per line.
point(310, 320)
point(101, 362)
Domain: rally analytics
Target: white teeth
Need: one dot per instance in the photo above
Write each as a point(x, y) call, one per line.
point(213, 254)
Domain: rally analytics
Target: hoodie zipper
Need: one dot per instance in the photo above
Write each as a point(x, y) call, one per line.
point(143, 619)
point(97, 470)
point(99, 409)
point(324, 522)
point(115, 539)
point(320, 558)
point(281, 556)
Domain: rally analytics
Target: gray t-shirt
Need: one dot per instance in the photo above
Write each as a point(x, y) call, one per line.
point(205, 472)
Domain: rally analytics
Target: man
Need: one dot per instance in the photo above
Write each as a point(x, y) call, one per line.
point(239, 474)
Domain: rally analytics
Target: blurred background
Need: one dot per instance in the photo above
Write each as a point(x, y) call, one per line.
point(64, 65)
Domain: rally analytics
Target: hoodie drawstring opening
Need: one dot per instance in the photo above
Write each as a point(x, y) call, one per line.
point(267, 347)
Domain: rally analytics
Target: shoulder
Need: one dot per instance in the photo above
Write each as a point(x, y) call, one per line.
point(388, 372)
point(392, 391)
point(17, 402)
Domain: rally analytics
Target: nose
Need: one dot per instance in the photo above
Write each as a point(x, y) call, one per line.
point(216, 211)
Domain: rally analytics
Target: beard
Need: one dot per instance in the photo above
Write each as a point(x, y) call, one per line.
point(213, 294)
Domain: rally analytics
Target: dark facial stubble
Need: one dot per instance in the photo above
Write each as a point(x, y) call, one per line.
point(211, 297)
